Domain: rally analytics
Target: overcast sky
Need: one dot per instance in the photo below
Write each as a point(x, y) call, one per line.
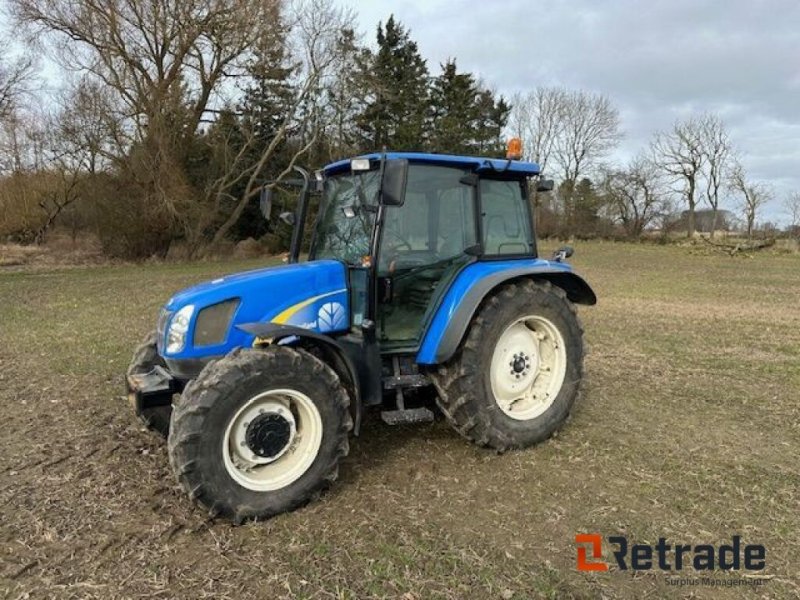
point(657, 61)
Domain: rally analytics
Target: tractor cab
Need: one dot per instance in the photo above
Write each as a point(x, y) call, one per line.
point(406, 244)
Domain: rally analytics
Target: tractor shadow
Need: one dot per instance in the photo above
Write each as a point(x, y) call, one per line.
point(392, 449)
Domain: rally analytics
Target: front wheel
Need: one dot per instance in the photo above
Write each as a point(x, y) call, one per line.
point(260, 432)
point(518, 372)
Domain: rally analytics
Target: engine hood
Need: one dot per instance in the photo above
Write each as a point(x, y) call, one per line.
point(312, 295)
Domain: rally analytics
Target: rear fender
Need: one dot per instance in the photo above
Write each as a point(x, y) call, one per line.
point(454, 314)
point(331, 352)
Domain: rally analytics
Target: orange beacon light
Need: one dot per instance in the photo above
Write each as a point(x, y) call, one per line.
point(514, 151)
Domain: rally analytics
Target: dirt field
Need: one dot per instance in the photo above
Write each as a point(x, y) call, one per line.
point(689, 428)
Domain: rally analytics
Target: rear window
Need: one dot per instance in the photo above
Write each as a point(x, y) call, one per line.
point(506, 225)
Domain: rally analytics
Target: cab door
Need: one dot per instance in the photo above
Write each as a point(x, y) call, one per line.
point(423, 244)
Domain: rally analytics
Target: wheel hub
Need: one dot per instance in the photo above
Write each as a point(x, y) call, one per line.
point(268, 435)
point(263, 432)
point(520, 364)
point(528, 367)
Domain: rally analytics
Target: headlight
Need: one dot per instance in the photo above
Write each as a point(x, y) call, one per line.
point(212, 323)
point(178, 328)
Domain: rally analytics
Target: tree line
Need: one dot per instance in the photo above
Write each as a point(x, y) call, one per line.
point(173, 113)
point(691, 172)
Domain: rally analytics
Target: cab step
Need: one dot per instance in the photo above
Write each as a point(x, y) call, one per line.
point(415, 380)
point(407, 416)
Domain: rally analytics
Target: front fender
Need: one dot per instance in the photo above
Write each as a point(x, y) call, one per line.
point(473, 284)
point(337, 356)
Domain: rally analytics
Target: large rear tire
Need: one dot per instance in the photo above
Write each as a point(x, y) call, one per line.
point(145, 357)
point(260, 432)
point(518, 372)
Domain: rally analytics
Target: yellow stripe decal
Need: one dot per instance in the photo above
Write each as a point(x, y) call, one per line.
point(289, 312)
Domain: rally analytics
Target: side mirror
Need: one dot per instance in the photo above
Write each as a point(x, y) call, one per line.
point(265, 202)
point(545, 185)
point(563, 253)
point(393, 186)
point(288, 218)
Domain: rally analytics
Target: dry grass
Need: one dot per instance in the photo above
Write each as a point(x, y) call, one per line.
point(60, 250)
point(689, 429)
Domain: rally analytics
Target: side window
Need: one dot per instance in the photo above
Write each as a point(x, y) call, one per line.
point(436, 221)
point(456, 215)
point(506, 225)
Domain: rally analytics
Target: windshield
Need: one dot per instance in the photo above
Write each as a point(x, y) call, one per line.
point(348, 208)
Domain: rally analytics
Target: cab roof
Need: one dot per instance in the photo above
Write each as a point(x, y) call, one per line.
point(478, 164)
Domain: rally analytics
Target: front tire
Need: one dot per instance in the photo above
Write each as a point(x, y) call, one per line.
point(518, 372)
point(260, 432)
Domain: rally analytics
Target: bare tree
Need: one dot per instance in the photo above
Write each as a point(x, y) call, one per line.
point(16, 75)
point(792, 207)
point(754, 195)
point(635, 195)
point(537, 118)
point(25, 139)
point(165, 61)
point(151, 51)
point(718, 151)
point(88, 125)
point(589, 131)
point(680, 154)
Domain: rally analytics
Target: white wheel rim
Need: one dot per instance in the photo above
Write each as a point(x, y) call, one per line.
point(296, 414)
point(528, 367)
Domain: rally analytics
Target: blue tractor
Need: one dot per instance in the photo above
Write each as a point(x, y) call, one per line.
point(422, 284)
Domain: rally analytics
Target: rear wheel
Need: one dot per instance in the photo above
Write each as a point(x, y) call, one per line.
point(518, 372)
point(260, 432)
point(145, 357)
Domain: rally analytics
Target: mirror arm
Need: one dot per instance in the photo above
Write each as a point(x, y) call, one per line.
point(300, 215)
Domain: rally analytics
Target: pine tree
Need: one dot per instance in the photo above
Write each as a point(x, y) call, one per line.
point(454, 113)
point(268, 96)
point(396, 77)
point(465, 118)
point(493, 116)
point(343, 103)
point(262, 110)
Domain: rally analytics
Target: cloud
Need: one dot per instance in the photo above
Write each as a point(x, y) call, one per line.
point(657, 61)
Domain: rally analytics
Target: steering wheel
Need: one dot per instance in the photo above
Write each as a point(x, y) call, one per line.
point(403, 241)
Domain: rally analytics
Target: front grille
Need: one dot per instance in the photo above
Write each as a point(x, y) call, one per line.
point(161, 328)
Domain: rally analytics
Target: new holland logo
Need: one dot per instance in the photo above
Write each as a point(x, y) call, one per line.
point(331, 316)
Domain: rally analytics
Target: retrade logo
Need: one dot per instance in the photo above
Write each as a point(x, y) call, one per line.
point(668, 557)
point(596, 544)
